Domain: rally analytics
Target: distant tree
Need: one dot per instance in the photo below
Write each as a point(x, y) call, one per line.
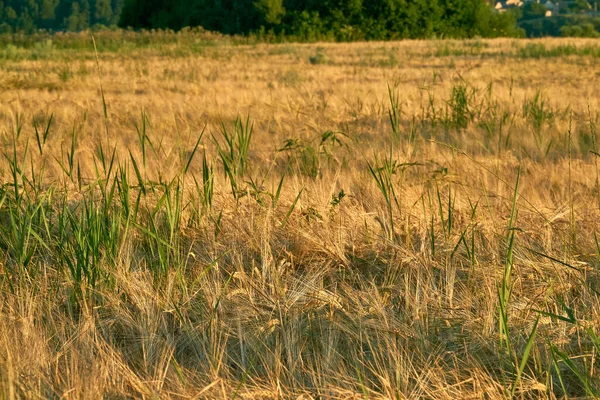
point(85, 13)
point(103, 12)
point(578, 6)
point(48, 9)
point(30, 15)
point(10, 14)
point(79, 18)
point(117, 7)
point(25, 22)
point(533, 10)
point(10, 17)
point(504, 25)
point(142, 13)
point(585, 29)
point(47, 14)
point(272, 11)
point(33, 8)
point(313, 19)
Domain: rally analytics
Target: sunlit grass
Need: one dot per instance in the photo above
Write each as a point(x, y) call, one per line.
point(197, 226)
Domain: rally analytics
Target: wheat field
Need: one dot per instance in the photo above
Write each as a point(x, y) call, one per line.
point(190, 216)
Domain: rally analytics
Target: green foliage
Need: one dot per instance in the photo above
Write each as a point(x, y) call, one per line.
point(334, 19)
point(233, 150)
point(29, 16)
point(272, 10)
point(585, 29)
point(539, 50)
point(569, 23)
point(533, 10)
point(299, 20)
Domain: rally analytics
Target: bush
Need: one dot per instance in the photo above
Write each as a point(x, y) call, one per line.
point(586, 29)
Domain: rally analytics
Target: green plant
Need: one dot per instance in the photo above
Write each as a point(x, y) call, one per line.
point(318, 58)
point(395, 112)
point(383, 176)
point(42, 137)
point(504, 296)
point(505, 291)
point(234, 149)
point(309, 157)
point(585, 378)
point(205, 191)
point(592, 124)
point(459, 111)
point(537, 111)
point(143, 135)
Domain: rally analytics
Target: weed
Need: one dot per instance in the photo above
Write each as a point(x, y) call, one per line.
point(395, 111)
point(383, 176)
point(539, 114)
point(233, 150)
point(289, 78)
point(318, 58)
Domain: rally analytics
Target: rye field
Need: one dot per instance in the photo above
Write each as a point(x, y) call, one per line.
point(191, 216)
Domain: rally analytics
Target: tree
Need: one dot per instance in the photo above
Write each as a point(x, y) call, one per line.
point(48, 10)
point(272, 10)
point(10, 14)
point(533, 10)
point(103, 12)
point(503, 25)
point(79, 18)
point(142, 13)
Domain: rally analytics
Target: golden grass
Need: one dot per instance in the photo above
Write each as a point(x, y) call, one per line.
point(324, 291)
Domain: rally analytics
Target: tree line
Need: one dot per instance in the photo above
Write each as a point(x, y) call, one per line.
point(307, 20)
point(57, 15)
point(298, 19)
point(326, 19)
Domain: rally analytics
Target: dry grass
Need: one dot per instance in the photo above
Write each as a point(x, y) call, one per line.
point(349, 254)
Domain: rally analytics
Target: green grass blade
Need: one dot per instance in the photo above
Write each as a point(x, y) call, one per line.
point(292, 207)
point(525, 357)
point(193, 152)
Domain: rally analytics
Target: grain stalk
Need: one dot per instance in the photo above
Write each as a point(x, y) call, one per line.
point(592, 123)
point(572, 225)
point(504, 293)
point(104, 108)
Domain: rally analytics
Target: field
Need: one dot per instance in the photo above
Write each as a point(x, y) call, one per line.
point(193, 216)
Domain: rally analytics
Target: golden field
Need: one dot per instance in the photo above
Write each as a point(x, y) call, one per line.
point(187, 216)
